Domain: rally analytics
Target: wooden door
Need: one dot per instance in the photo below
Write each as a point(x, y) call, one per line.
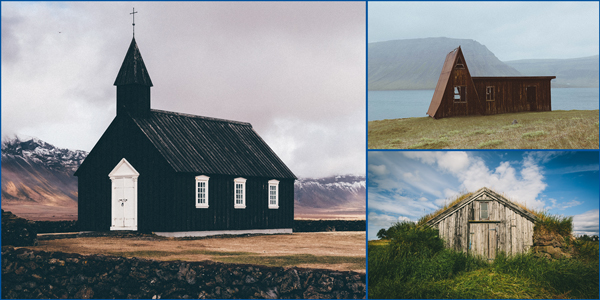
point(483, 240)
point(123, 204)
point(531, 98)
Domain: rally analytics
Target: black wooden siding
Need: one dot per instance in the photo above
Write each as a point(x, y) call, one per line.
point(166, 199)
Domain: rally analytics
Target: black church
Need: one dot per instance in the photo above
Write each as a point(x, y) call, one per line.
point(178, 174)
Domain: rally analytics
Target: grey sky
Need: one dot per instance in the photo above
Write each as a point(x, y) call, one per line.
point(295, 70)
point(511, 30)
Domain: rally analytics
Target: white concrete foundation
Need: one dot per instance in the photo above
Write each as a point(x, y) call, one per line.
point(223, 232)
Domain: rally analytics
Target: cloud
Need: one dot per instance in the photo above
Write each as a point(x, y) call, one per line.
point(378, 170)
point(586, 223)
point(562, 205)
point(378, 221)
point(450, 161)
point(524, 186)
point(294, 70)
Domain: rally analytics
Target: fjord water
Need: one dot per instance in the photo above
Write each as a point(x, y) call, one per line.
point(414, 103)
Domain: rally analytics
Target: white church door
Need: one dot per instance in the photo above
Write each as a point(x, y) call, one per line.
point(124, 196)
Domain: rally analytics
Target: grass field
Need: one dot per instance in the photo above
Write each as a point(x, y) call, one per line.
point(414, 264)
point(343, 251)
point(574, 129)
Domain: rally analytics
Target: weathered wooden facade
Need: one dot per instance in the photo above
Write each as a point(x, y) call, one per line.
point(179, 174)
point(485, 223)
point(459, 94)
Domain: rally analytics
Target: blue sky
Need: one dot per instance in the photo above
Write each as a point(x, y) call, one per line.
point(406, 185)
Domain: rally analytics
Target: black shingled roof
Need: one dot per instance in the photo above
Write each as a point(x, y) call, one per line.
point(211, 146)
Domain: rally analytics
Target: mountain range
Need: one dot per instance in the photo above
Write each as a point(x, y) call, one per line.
point(415, 64)
point(38, 184)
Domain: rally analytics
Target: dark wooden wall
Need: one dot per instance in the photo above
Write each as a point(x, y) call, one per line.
point(166, 200)
point(511, 94)
point(448, 107)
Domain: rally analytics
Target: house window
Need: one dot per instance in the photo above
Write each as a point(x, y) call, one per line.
point(490, 93)
point(459, 64)
point(484, 210)
point(273, 194)
point(202, 191)
point(239, 192)
point(460, 93)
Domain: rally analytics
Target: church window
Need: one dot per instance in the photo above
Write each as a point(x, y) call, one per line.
point(202, 191)
point(239, 192)
point(273, 194)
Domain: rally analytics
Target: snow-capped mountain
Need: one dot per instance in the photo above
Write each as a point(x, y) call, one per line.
point(36, 172)
point(342, 195)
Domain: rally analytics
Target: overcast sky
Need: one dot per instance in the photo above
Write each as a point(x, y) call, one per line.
point(295, 70)
point(406, 185)
point(511, 30)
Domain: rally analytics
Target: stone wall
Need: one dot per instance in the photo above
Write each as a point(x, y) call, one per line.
point(552, 245)
point(37, 274)
point(17, 231)
point(299, 226)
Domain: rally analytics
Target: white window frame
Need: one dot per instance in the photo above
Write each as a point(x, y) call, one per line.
point(273, 183)
point(202, 179)
point(241, 181)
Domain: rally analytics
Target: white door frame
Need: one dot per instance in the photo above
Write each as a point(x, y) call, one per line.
point(126, 172)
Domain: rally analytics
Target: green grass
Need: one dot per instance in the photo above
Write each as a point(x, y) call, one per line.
point(574, 129)
point(413, 265)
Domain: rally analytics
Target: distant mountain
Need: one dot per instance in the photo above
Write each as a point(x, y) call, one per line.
point(37, 179)
point(340, 196)
point(417, 63)
point(575, 72)
point(35, 172)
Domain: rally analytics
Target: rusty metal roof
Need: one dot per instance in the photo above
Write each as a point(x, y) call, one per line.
point(133, 70)
point(438, 94)
point(211, 146)
point(480, 78)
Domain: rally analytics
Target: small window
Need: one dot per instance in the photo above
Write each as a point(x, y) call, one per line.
point(485, 213)
point(239, 192)
point(490, 93)
point(273, 194)
point(202, 191)
point(459, 64)
point(460, 93)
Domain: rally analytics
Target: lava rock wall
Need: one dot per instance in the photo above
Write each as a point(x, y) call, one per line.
point(37, 274)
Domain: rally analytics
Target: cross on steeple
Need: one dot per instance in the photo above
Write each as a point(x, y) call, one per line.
point(133, 13)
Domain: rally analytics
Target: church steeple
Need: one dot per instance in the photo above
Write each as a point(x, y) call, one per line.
point(133, 84)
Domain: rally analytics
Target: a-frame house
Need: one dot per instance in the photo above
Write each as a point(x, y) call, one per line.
point(180, 175)
point(485, 223)
point(457, 93)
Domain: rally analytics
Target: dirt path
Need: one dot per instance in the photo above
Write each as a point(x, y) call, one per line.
point(344, 251)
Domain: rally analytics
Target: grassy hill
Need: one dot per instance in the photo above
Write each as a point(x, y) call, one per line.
point(414, 264)
point(576, 72)
point(574, 129)
point(416, 63)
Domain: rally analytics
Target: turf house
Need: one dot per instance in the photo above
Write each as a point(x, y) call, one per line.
point(177, 174)
point(485, 223)
point(457, 93)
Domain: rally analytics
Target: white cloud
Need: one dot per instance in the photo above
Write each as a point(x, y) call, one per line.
point(524, 187)
point(562, 205)
point(586, 223)
point(378, 170)
point(451, 161)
